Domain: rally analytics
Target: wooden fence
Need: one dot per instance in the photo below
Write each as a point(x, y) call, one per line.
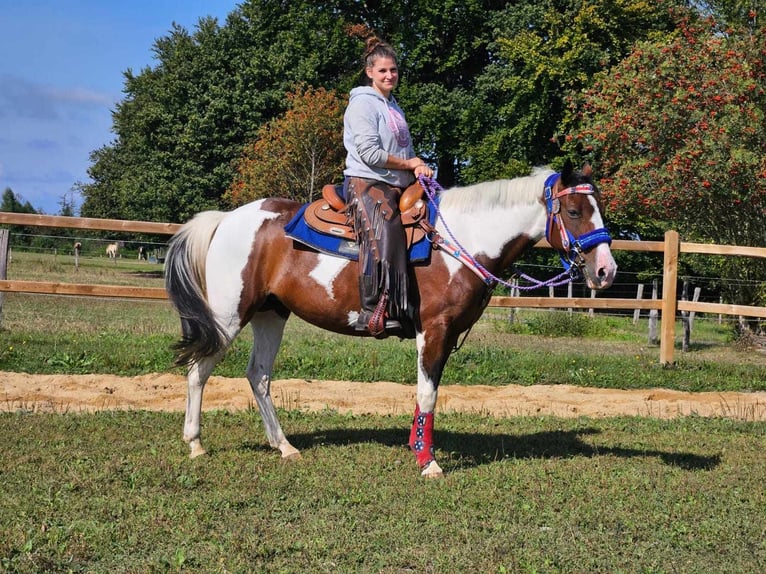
point(668, 306)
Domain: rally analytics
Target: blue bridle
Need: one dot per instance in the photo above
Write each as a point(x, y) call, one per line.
point(572, 247)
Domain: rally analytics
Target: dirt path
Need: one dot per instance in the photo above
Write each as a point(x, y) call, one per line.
point(76, 393)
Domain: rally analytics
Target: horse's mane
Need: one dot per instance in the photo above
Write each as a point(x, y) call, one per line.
point(499, 193)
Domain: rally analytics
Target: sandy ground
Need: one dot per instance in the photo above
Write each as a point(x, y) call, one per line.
point(86, 393)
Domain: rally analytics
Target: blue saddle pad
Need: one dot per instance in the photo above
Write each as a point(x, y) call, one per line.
point(299, 230)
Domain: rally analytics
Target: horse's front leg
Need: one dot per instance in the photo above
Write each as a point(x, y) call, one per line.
point(431, 360)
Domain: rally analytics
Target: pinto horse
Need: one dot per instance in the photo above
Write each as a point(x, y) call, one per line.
point(226, 270)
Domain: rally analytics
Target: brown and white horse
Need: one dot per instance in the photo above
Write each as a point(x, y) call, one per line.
point(224, 271)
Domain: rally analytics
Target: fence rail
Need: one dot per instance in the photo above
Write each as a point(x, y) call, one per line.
point(668, 306)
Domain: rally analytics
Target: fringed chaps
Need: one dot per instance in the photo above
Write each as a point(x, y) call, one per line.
point(382, 249)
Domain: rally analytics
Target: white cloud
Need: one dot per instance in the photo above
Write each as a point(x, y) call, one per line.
point(23, 99)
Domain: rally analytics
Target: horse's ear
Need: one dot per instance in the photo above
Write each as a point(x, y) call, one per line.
point(567, 170)
point(587, 170)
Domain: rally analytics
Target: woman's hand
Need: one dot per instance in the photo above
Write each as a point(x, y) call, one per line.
point(419, 167)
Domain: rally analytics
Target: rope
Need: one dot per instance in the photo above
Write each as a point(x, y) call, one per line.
point(432, 189)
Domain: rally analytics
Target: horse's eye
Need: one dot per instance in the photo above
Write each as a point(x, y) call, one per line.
point(573, 213)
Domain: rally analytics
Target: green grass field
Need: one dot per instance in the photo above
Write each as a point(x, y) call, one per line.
point(116, 492)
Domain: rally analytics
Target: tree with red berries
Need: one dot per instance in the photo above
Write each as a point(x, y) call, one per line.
point(678, 132)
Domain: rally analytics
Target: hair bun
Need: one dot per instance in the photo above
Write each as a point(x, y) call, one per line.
point(376, 48)
point(370, 44)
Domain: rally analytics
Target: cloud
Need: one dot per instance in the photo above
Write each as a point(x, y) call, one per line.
point(43, 144)
point(81, 96)
point(22, 99)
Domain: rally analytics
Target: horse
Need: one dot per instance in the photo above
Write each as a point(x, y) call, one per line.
point(225, 270)
point(112, 251)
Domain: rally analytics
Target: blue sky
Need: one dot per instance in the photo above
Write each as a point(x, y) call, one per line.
point(61, 74)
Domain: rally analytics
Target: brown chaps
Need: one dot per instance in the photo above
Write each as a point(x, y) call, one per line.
point(382, 252)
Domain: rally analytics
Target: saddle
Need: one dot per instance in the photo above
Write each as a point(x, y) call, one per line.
point(329, 215)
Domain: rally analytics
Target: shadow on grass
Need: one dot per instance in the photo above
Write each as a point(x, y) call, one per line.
point(468, 450)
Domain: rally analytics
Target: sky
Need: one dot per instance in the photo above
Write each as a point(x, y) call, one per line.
point(61, 75)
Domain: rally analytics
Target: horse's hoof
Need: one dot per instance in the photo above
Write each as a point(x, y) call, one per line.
point(196, 449)
point(292, 457)
point(432, 470)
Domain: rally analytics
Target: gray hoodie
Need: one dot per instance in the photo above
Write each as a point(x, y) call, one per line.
point(373, 129)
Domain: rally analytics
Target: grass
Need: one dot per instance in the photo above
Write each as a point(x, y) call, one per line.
point(70, 335)
point(115, 492)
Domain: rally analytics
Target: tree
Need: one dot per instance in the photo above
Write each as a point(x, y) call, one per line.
point(14, 203)
point(184, 122)
point(545, 51)
point(678, 130)
point(733, 14)
point(295, 154)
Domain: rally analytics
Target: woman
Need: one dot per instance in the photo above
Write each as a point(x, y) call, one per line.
point(380, 163)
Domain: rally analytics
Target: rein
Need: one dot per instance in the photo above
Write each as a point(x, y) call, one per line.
point(571, 266)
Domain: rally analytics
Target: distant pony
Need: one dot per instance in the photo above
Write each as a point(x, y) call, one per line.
point(77, 249)
point(111, 251)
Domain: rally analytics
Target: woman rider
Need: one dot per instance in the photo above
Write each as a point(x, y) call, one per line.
point(380, 163)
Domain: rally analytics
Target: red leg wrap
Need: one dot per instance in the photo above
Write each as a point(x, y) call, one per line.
point(422, 437)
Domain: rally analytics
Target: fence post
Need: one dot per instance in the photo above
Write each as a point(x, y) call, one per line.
point(695, 298)
point(653, 337)
point(669, 293)
point(3, 266)
point(685, 319)
point(77, 248)
point(639, 296)
point(514, 293)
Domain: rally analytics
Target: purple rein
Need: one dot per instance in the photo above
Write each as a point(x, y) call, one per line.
point(569, 258)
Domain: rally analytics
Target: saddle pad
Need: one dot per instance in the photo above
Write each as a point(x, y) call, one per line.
point(338, 244)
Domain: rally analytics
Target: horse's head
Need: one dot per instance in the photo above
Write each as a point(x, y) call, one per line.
point(575, 227)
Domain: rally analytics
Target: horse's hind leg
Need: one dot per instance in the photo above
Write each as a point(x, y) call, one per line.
point(198, 374)
point(268, 328)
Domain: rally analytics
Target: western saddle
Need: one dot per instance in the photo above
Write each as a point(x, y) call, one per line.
point(329, 215)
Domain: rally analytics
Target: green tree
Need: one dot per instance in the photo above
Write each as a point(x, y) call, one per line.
point(109, 175)
point(295, 154)
point(545, 51)
point(678, 130)
point(185, 121)
point(14, 203)
point(742, 15)
point(444, 46)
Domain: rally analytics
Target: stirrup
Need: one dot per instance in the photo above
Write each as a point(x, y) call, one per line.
point(365, 323)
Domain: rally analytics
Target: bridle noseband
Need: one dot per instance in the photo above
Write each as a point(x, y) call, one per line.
point(572, 248)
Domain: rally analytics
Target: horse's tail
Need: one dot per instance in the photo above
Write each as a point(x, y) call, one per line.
point(201, 335)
